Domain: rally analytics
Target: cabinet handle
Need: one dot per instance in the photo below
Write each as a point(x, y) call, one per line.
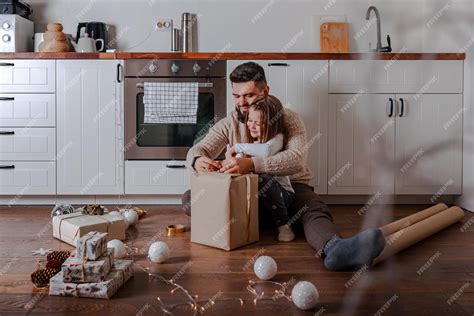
point(278, 64)
point(391, 107)
point(119, 76)
point(7, 133)
point(402, 106)
point(6, 99)
point(7, 64)
point(175, 166)
point(7, 166)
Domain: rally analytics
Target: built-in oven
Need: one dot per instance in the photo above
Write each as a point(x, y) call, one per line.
point(171, 141)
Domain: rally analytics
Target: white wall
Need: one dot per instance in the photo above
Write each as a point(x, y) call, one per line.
point(284, 25)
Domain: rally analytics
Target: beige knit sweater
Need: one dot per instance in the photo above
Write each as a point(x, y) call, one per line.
point(291, 161)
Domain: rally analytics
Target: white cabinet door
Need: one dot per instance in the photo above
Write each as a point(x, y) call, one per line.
point(30, 110)
point(429, 144)
point(361, 133)
point(302, 86)
point(396, 76)
point(25, 178)
point(27, 144)
point(156, 177)
point(27, 76)
point(89, 127)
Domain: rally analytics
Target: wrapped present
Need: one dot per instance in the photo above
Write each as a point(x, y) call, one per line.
point(122, 270)
point(91, 246)
point(70, 227)
point(224, 209)
point(78, 270)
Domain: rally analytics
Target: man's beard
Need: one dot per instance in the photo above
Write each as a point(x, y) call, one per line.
point(241, 116)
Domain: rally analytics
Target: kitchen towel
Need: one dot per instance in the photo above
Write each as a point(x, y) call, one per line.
point(170, 102)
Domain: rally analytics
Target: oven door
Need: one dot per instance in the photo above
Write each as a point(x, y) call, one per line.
point(169, 141)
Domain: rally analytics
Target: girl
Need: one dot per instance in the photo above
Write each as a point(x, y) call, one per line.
point(265, 126)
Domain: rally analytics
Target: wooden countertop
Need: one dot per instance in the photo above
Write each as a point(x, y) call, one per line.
point(218, 55)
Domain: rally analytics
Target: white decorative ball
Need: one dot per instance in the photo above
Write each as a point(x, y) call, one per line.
point(158, 252)
point(131, 216)
point(305, 295)
point(118, 247)
point(265, 267)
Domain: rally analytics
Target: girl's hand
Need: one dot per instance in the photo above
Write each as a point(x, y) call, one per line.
point(230, 153)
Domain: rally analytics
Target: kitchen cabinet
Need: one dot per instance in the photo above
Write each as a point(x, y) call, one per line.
point(302, 86)
point(156, 177)
point(27, 76)
point(360, 134)
point(418, 147)
point(89, 127)
point(27, 128)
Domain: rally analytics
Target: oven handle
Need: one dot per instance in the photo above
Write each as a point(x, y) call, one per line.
point(140, 85)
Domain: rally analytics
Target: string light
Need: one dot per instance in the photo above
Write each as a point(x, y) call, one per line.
point(202, 306)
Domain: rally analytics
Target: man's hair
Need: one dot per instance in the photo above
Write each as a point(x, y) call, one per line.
point(249, 71)
point(272, 118)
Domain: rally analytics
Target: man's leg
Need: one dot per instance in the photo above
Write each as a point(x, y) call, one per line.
point(315, 216)
point(339, 254)
point(186, 202)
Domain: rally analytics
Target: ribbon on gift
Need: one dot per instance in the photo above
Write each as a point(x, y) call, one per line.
point(249, 193)
point(74, 215)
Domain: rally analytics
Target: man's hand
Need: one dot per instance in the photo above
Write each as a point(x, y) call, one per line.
point(207, 164)
point(238, 165)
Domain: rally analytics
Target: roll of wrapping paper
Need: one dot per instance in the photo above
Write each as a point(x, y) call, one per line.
point(410, 235)
point(412, 219)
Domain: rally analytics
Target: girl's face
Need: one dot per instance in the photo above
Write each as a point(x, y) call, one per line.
point(254, 123)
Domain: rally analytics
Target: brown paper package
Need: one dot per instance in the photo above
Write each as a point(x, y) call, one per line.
point(224, 209)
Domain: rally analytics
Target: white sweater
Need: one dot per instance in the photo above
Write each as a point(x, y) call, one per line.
point(265, 150)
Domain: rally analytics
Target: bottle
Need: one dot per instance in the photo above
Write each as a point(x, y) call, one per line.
point(187, 25)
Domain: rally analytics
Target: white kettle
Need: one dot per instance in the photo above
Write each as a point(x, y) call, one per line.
point(86, 44)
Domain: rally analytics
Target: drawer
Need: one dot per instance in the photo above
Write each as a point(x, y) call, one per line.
point(27, 76)
point(23, 178)
point(32, 110)
point(156, 177)
point(396, 76)
point(27, 144)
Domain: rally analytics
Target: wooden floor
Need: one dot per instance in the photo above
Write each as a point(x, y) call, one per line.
point(397, 287)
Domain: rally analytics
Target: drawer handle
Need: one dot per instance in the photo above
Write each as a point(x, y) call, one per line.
point(7, 133)
point(7, 166)
point(175, 166)
point(7, 99)
point(391, 107)
point(402, 106)
point(7, 64)
point(278, 64)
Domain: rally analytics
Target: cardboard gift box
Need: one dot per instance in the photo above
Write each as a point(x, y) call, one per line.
point(78, 270)
point(224, 209)
point(91, 246)
point(70, 227)
point(122, 270)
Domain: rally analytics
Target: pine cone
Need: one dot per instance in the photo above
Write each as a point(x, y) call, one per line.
point(54, 264)
point(141, 213)
point(41, 277)
point(60, 255)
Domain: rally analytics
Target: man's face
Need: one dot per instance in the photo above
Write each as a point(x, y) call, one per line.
point(245, 93)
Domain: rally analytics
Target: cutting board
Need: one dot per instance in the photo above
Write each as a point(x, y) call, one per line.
point(334, 37)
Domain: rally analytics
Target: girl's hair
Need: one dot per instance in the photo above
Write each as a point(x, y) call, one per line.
point(272, 117)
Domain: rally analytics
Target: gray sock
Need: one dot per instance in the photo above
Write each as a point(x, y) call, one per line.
point(350, 253)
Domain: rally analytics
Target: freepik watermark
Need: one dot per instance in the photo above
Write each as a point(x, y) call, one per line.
point(412, 161)
point(339, 173)
point(387, 305)
point(428, 263)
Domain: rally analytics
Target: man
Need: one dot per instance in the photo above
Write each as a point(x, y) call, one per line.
point(248, 83)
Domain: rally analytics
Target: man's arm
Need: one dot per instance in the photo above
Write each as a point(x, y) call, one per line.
point(212, 144)
point(292, 159)
point(263, 150)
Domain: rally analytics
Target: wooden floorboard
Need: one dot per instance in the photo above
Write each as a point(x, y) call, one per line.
point(208, 272)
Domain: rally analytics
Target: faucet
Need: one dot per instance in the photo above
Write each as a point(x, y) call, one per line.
point(379, 47)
